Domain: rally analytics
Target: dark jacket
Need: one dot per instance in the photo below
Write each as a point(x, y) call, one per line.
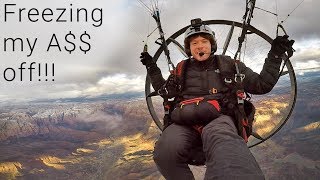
point(200, 77)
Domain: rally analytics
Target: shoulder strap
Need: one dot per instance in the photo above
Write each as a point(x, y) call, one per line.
point(225, 64)
point(179, 69)
point(179, 72)
point(227, 70)
point(230, 67)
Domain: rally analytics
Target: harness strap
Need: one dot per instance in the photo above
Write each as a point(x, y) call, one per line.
point(168, 106)
point(240, 112)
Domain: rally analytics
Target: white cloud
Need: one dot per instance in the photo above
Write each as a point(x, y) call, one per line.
point(113, 84)
point(307, 64)
point(116, 84)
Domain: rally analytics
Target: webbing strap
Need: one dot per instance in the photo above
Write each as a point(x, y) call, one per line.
point(240, 112)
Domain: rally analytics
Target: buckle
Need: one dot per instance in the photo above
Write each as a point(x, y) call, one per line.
point(242, 76)
point(213, 91)
point(241, 96)
point(228, 80)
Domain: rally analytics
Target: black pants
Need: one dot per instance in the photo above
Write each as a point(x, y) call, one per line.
point(227, 155)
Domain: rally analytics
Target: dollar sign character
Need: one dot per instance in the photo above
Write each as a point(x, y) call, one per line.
point(85, 42)
point(72, 44)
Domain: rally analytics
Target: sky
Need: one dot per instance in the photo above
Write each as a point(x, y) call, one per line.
point(112, 64)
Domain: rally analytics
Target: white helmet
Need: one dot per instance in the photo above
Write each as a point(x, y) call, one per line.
point(198, 27)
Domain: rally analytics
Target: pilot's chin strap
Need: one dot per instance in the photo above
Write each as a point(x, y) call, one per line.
point(240, 114)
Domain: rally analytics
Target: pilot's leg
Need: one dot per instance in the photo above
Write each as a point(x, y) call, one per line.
point(227, 154)
point(172, 151)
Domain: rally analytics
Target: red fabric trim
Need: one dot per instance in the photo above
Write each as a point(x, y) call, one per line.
point(190, 101)
point(244, 135)
point(215, 103)
point(245, 122)
point(241, 94)
point(178, 70)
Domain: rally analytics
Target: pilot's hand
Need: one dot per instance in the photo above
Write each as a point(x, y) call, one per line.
point(146, 60)
point(282, 44)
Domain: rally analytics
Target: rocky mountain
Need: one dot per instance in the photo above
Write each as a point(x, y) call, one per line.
point(293, 152)
point(70, 140)
point(114, 138)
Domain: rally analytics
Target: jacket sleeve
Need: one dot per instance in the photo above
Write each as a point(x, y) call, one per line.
point(262, 83)
point(156, 77)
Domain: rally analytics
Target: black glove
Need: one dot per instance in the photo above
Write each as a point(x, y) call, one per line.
point(282, 44)
point(146, 60)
